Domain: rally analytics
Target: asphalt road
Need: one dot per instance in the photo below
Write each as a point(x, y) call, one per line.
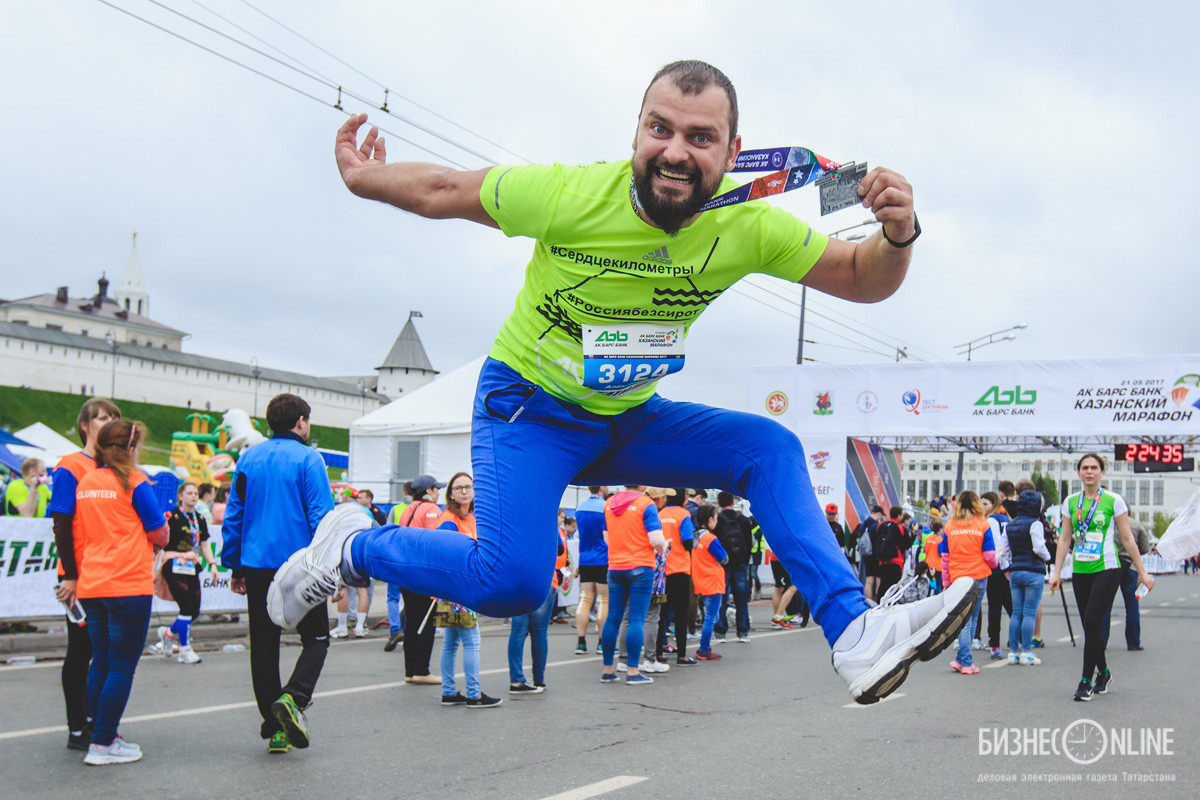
point(771, 719)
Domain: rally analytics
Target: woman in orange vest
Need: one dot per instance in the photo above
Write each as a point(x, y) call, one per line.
point(967, 550)
point(120, 527)
point(633, 534)
point(679, 531)
point(459, 623)
point(93, 416)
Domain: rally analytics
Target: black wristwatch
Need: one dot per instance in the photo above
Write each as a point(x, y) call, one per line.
point(910, 240)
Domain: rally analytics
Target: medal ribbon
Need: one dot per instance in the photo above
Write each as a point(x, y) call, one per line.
point(794, 167)
point(1087, 523)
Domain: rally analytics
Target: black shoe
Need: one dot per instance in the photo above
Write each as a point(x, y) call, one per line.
point(1103, 681)
point(1136, 647)
point(483, 701)
point(524, 688)
point(455, 699)
point(1084, 692)
point(393, 640)
point(804, 622)
point(81, 740)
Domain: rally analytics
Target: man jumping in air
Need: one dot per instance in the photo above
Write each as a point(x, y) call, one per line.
point(623, 262)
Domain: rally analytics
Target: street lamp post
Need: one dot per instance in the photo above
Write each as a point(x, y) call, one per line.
point(257, 373)
point(990, 338)
point(111, 338)
point(804, 289)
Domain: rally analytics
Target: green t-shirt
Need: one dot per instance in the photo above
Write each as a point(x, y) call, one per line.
point(595, 262)
point(1095, 550)
point(18, 492)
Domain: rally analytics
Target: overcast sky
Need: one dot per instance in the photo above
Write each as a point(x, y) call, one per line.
point(1050, 146)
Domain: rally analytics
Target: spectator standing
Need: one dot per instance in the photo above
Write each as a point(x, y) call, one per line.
point(888, 543)
point(999, 594)
point(593, 566)
point(868, 565)
point(93, 415)
point(29, 496)
point(220, 500)
point(652, 657)
point(207, 496)
point(536, 626)
point(423, 512)
point(1022, 546)
point(680, 532)
point(783, 594)
point(458, 624)
point(1133, 614)
point(708, 577)
point(120, 526)
point(279, 497)
point(633, 533)
point(967, 550)
point(733, 529)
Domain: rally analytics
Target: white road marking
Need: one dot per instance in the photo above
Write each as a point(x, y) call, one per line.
point(1161, 605)
point(598, 788)
point(1065, 639)
point(996, 664)
point(1181, 599)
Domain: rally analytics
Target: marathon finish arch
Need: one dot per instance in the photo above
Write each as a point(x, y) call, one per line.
point(828, 405)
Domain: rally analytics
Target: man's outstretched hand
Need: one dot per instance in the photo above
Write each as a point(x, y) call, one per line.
point(352, 160)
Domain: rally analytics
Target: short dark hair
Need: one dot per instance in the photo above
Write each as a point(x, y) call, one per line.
point(367, 492)
point(677, 499)
point(693, 77)
point(895, 511)
point(724, 499)
point(703, 495)
point(285, 410)
point(876, 509)
point(935, 525)
point(1097, 456)
point(595, 489)
point(205, 488)
point(1006, 488)
point(1025, 486)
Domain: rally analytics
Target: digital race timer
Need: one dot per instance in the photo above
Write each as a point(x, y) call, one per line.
point(1147, 457)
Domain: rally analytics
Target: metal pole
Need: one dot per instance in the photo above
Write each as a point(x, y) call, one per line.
point(800, 344)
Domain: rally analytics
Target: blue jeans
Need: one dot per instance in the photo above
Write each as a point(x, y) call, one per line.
point(712, 607)
point(968, 631)
point(395, 625)
point(1026, 597)
point(536, 624)
point(470, 645)
point(627, 587)
point(117, 627)
point(526, 446)
point(738, 576)
point(1133, 612)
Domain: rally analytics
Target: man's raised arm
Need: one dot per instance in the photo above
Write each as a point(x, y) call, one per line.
point(873, 269)
point(429, 190)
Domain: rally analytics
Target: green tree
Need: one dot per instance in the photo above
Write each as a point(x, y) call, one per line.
point(1047, 486)
point(1158, 526)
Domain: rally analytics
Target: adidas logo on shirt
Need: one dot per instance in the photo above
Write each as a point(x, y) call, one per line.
point(658, 256)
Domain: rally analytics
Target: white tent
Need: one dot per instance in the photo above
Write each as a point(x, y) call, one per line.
point(426, 432)
point(50, 447)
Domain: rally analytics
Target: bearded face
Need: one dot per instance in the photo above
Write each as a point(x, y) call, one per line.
point(670, 207)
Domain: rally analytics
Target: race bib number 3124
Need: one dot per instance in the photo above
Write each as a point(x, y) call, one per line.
point(620, 358)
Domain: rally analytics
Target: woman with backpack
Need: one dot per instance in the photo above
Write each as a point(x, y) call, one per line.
point(967, 550)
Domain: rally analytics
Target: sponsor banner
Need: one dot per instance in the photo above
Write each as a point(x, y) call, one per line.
point(29, 571)
point(1156, 395)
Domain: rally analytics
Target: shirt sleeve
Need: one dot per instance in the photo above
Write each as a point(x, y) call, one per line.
point(522, 200)
point(62, 497)
point(1119, 506)
point(146, 506)
point(317, 495)
point(448, 525)
point(687, 531)
point(1037, 533)
point(650, 518)
point(790, 247)
point(231, 526)
point(716, 550)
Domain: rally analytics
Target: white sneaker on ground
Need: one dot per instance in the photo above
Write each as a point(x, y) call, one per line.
point(1030, 660)
point(116, 753)
point(653, 666)
point(188, 656)
point(977, 644)
point(313, 575)
point(874, 653)
point(340, 632)
point(744, 638)
point(621, 667)
point(1012, 656)
point(360, 632)
point(163, 646)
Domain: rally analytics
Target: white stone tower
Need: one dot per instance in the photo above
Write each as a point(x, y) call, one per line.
point(131, 293)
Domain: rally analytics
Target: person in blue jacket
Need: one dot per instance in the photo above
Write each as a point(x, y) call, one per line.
point(280, 493)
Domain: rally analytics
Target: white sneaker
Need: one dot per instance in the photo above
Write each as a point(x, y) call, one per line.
point(163, 646)
point(360, 632)
point(340, 632)
point(1030, 660)
point(116, 753)
point(977, 644)
point(188, 656)
point(1012, 656)
point(622, 667)
point(653, 666)
point(313, 575)
point(693, 637)
point(744, 639)
point(874, 653)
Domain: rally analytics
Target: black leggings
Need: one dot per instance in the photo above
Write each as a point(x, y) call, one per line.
point(679, 592)
point(999, 597)
point(185, 591)
point(418, 649)
point(1094, 593)
point(75, 668)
